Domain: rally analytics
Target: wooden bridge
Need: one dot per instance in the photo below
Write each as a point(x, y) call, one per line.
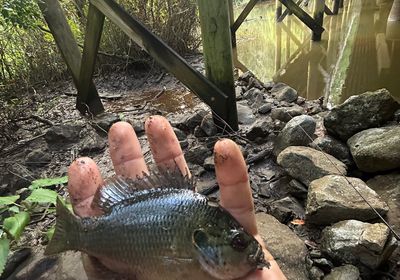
point(219, 46)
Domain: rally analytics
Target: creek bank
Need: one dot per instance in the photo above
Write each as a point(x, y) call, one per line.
point(285, 167)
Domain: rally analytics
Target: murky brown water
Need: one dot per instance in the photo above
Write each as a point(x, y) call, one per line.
point(356, 53)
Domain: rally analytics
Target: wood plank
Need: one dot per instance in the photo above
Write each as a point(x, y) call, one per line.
point(217, 49)
point(319, 6)
point(165, 56)
point(328, 11)
point(278, 12)
point(65, 41)
point(243, 15)
point(303, 16)
point(94, 28)
point(287, 12)
point(336, 6)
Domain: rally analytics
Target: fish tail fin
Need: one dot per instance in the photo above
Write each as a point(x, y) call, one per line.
point(66, 234)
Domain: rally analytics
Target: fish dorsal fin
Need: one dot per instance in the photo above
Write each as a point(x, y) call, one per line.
point(118, 189)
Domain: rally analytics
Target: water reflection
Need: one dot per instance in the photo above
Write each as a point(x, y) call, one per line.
point(355, 55)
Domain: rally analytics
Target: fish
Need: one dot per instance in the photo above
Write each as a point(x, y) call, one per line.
point(158, 227)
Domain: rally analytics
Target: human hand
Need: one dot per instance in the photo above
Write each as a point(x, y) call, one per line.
point(128, 161)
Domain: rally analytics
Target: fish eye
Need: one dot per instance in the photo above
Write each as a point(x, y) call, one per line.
point(239, 241)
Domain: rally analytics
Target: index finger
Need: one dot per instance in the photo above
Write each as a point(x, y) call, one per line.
point(233, 181)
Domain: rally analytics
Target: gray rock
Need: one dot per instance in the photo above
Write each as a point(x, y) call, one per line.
point(197, 154)
point(63, 133)
point(288, 249)
point(397, 116)
point(388, 188)
point(376, 149)
point(259, 130)
point(297, 189)
point(285, 114)
point(253, 95)
point(324, 264)
point(208, 126)
point(209, 163)
point(367, 110)
point(306, 164)
point(194, 119)
point(284, 92)
point(345, 272)
point(265, 108)
point(297, 132)
point(333, 147)
point(104, 121)
point(245, 114)
point(316, 273)
point(358, 243)
point(92, 143)
point(246, 76)
point(38, 157)
point(332, 199)
point(239, 92)
point(286, 209)
point(199, 133)
point(180, 134)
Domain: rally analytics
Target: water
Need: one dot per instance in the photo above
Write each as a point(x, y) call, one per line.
point(354, 56)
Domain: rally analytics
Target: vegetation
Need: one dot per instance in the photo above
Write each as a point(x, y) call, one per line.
point(28, 54)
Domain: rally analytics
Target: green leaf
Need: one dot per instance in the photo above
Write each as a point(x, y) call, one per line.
point(42, 196)
point(4, 250)
point(14, 209)
point(47, 182)
point(15, 225)
point(8, 200)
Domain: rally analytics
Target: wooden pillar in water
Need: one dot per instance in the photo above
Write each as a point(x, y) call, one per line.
point(278, 47)
point(336, 7)
point(341, 4)
point(217, 48)
point(319, 7)
point(278, 9)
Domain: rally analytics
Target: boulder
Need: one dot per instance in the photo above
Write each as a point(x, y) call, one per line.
point(367, 110)
point(180, 134)
point(104, 121)
point(333, 147)
point(307, 164)
point(358, 243)
point(92, 143)
point(316, 273)
point(197, 154)
point(265, 108)
point(194, 119)
point(332, 199)
point(259, 130)
point(388, 188)
point(345, 272)
point(208, 126)
point(376, 149)
point(285, 114)
point(286, 209)
point(283, 92)
point(245, 114)
point(253, 95)
point(63, 133)
point(286, 247)
point(297, 132)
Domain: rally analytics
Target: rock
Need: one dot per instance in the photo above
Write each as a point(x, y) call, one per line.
point(322, 263)
point(288, 249)
point(346, 272)
point(316, 273)
point(14, 260)
point(246, 76)
point(388, 188)
point(332, 199)
point(397, 116)
point(297, 189)
point(306, 164)
point(367, 110)
point(376, 149)
point(358, 243)
point(92, 143)
point(63, 133)
point(180, 134)
point(197, 154)
point(208, 126)
point(297, 132)
point(283, 92)
point(193, 120)
point(333, 147)
point(245, 114)
point(259, 130)
point(199, 133)
point(184, 144)
point(265, 108)
point(239, 92)
point(209, 163)
point(286, 209)
point(103, 122)
point(253, 95)
point(285, 114)
point(38, 157)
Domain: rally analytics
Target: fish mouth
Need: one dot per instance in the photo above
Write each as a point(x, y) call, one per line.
point(259, 259)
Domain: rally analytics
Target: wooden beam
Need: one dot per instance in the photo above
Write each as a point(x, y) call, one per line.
point(165, 56)
point(336, 6)
point(94, 28)
point(64, 38)
point(217, 49)
point(319, 6)
point(287, 12)
point(278, 12)
point(328, 11)
point(303, 16)
point(243, 15)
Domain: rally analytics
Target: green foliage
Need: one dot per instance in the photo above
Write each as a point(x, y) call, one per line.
point(42, 196)
point(20, 13)
point(4, 250)
point(15, 225)
point(8, 200)
point(47, 182)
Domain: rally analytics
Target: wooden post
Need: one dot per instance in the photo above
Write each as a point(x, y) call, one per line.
point(341, 4)
point(57, 22)
point(336, 7)
point(278, 10)
point(278, 47)
point(243, 15)
point(94, 28)
point(319, 6)
point(217, 49)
